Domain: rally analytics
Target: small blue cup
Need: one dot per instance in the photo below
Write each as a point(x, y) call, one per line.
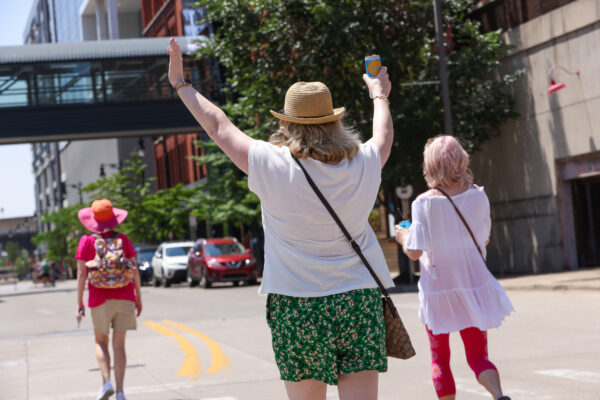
point(404, 224)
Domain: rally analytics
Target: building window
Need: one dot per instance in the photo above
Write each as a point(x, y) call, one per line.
point(507, 14)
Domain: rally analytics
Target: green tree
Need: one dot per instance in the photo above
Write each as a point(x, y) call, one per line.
point(12, 249)
point(152, 217)
point(224, 198)
point(22, 263)
point(266, 45)
point(62, 239)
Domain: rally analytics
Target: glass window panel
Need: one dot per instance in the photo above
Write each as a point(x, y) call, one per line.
point(16, 86)
point(65, 83)
point(136, 79)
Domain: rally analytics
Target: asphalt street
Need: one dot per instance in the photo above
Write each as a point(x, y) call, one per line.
point(214, 344)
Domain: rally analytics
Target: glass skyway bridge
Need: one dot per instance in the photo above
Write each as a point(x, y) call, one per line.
point(89, 90)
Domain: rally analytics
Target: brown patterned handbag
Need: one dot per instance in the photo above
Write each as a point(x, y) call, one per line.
point(397, 341)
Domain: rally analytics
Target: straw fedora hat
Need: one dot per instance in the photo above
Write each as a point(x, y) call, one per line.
point(309, 103)
point(101, 216)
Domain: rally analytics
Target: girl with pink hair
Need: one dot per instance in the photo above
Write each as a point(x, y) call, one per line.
point(450, 229)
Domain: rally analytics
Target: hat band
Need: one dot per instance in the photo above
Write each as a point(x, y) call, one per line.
point(297, 116)
point(103, 215)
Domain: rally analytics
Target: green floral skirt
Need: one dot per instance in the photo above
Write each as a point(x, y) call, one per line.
point(323, 337)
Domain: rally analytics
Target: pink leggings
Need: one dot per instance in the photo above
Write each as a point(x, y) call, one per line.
point(475, 342)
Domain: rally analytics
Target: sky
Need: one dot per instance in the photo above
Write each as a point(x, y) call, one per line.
point(17, 190)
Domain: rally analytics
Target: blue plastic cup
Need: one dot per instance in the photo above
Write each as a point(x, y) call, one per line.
point(404, 224)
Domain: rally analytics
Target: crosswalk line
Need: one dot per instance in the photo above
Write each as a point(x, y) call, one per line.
point(581, 376)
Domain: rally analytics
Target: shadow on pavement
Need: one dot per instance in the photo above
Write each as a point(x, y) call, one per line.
point(127, 367)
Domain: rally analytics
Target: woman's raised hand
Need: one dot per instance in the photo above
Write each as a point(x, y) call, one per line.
point(175, 62)
point(380, 85)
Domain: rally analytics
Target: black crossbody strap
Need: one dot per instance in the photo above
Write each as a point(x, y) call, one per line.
point(354, 245)
point(464, 222)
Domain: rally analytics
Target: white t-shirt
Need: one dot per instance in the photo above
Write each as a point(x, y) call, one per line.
point(306, 253)
point(456, 290)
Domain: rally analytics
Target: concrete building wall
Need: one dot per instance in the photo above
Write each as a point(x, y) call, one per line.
point(128, 145)
point(521, 169)
point(88, 28)
point(67, 21)
point(81, 161)
point(130, 25)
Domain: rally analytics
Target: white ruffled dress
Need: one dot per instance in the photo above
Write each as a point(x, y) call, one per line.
point(456, 290)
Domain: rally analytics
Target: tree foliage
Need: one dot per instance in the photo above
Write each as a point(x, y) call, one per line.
point(62, 239)
point(224, 196)
point(152, 217)
point(23, 262)
point(12, 251)
point(267, 45)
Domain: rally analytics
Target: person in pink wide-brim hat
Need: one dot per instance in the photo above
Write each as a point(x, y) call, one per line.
point(113, 301)
point(101, 216)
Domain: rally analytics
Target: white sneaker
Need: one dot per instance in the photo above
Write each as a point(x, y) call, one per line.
point(106, 391)
point(120, 396)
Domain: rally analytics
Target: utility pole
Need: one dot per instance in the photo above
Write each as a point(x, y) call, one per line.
point(58, 169)
point(437, 12)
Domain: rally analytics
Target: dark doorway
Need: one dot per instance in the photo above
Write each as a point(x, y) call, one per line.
point(586, 210)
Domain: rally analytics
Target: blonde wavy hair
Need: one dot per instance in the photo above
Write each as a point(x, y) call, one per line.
point(329, 143)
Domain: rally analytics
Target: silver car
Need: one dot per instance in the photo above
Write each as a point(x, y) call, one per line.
point(169, 264)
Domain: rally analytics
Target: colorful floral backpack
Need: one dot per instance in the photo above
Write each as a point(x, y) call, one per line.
point(109, 269)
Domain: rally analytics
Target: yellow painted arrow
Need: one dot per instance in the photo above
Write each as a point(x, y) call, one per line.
point(219, 359)
point(191, 362)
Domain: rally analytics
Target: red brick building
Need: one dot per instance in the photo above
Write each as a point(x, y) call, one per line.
point(507, 14)
point(163, 18)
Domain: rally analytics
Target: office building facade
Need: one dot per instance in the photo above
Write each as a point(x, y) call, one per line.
point(542, 174)
point(61, 169)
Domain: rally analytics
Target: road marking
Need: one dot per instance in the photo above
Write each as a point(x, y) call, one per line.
point(191, 363)
point(12, 364)
point(471, 386)
point(332, 392)
point(581, 376)
point(468, 386)
point(219, 359)
point(45, 311)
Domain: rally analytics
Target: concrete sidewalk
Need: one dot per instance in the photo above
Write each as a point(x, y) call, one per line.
point(582, 279)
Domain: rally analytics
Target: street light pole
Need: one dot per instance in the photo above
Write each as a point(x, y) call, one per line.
point(142, 153)
point(112, 165)
point(437, 12)
point(78, 186)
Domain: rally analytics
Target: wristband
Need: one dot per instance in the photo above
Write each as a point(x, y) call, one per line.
point(382, 98)
point(180, 84)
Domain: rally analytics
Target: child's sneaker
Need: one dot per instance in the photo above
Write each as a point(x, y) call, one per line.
point(106, 391)
point(120, 396)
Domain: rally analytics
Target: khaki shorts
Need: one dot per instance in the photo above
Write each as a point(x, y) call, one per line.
point(120, 314)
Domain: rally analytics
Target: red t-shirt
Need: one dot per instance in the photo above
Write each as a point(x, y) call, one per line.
point(97, 296)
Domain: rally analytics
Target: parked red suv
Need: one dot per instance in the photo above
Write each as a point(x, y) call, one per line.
point(220, 260)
